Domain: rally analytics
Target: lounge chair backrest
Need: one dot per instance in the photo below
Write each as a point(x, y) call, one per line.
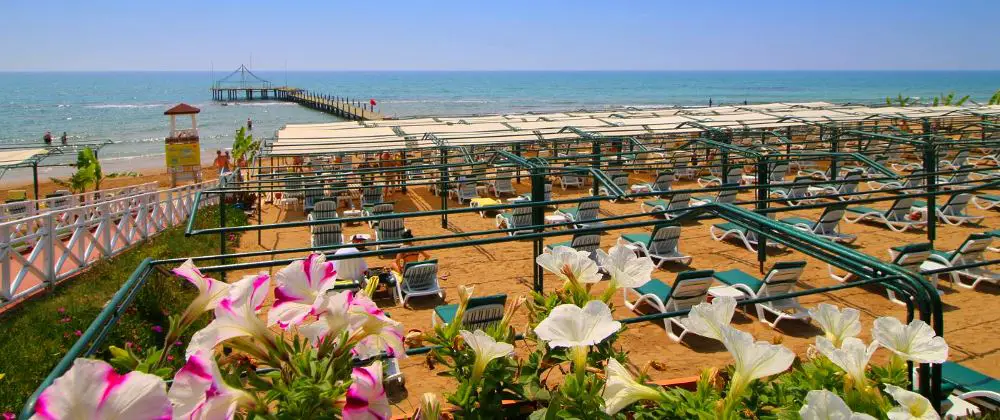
point(735, 175)
point(503, 181)
point(384, 208)
point(587, 242)
point(328, 234)
point(664, 240)
point(420, 276)
point(799, 188)
point(325, 209)
point(961, 177)
point(900, 209)
point(588, 211)
point(664, 182)
point(18, 210)
point(917, 179)
point(620, 179)
point(467, 189)
point(782, 278)
point(778, 172)
point(371, 196)
point(390, 229)
point(521, 217)
point(483, 312)
point(727, 196)
point(548, 192)
point(955, 206)
point(879, 159)
point(571, 178)
point(961, 158)
point(911, 256)
point(972, 249)
point(679, 201)
point(850, 183)
point(314, 191)
point(690, 288)
point(830, 219)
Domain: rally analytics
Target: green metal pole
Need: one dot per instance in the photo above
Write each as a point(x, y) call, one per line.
point(834, 148)
point(34, 175)
point(517, 151)
point(930, 167)
point(538, 220)
point(443, 188)
point(595, 162)
point(762, 196)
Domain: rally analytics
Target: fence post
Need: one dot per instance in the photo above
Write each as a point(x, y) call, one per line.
point(170, 207)
point(5, 250)
point(105, 233)
point(145, 216)
point(49, 250)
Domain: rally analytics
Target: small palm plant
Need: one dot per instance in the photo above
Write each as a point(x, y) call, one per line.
point(949, 99)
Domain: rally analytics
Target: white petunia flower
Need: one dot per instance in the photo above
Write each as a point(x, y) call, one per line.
point(915, 342)
point(837, 324)
point(911, 405)
point(624, 267)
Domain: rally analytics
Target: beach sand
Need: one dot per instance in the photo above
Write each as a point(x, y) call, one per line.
point(507, 267)
point(46, 186)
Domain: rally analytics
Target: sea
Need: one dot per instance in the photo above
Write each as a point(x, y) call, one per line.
point(126, 108)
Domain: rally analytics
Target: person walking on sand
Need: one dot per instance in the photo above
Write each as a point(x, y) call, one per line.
point(47, 138)
point(64, 139)
point(249, 124)
point(228, 162)
point(220, 161)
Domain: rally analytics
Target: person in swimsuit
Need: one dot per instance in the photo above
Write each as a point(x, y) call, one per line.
point(405, 256)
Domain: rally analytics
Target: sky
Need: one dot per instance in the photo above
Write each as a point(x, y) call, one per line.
point(97, 35)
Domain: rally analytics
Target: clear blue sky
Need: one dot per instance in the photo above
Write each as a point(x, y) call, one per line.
point(499, 35)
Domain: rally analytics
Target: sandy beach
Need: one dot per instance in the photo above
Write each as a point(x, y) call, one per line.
point(506, 268)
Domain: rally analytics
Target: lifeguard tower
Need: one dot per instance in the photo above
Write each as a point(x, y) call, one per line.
point(183, 148)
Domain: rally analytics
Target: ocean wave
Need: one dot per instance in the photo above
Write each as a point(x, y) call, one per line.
point(125, 106)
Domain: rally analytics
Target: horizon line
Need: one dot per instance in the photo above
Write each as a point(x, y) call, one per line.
point(487, 70)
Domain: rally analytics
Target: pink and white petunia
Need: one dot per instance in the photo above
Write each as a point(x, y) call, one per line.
point(300, 289)
point(380, 332)
point(198, 391)
point(366, 398)
point(210, 291)
point(334, 318)
point(92, 390)
point(236, 316)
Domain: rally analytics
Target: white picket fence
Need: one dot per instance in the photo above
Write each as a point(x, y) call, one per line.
point(47, 248)
point(27, 208)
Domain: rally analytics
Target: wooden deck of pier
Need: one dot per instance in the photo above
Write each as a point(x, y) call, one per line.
point(250, 87)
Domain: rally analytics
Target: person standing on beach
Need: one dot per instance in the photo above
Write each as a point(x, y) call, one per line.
point(227, 162)
point(249, 124)
point(220, 161)
point(47, 138)
point(64, 139)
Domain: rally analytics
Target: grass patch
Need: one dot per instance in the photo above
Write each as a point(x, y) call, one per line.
point(37, 333)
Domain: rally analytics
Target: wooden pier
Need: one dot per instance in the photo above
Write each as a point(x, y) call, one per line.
point(249, 87)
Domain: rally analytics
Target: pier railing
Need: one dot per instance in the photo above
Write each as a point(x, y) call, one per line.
point(45, 249)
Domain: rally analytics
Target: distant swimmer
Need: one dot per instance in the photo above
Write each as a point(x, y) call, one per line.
point(47, 138)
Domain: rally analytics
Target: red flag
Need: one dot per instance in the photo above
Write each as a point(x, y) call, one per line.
point(372, 101)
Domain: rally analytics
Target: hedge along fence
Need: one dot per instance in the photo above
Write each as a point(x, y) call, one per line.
point(40, 331)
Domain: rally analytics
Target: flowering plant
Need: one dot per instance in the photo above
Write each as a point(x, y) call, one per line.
point(314, 354)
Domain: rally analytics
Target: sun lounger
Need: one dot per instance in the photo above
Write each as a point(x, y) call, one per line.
point(586, 242)
point(910, 257)
point(986, 201)
point(661, 245)
point(678, 203)
point(547, 197)
point(734, 176)
point(570, 179)
point(419, 279)
point(779, 281)
point(663, 183)
point(370, 196)
point(845, 190)
point(466, 191)
point(690, 289)
point(970, 252)
point(897, 217)
point(969, 383)
point(378, 210)
point(826, 226)
point(503, 184)
point(722, 231)
point(482, 313)
point(957, 181)
point(389, 230)
point(584, 214)
point(313, 194)
point(914, 182)
point(960, 161)
point(724, 197)
point(795, 193)
point(519, 219)
point(952, 211)
point(776, 175)
point(620, 179)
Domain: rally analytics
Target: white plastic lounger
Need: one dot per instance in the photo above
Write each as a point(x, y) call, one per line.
point(795, 193)
point(845, 190)
point(503, 184)
point(661, 246)
point(663, 183)
point(722, 231)
point(690, 289)
point(952, 211)
point(481, 313)
point(389, 230)
point(584, 215)
point(775, 176)
point(896, 218)
point(910, 257)
point(986, 201)
point(970, 252)
point(826, 227)
point(519, 219)
point(570, 180)
point(724, 197)
point(670, 209)
point(419, 279)
point(735, 176)
point(779, 281)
